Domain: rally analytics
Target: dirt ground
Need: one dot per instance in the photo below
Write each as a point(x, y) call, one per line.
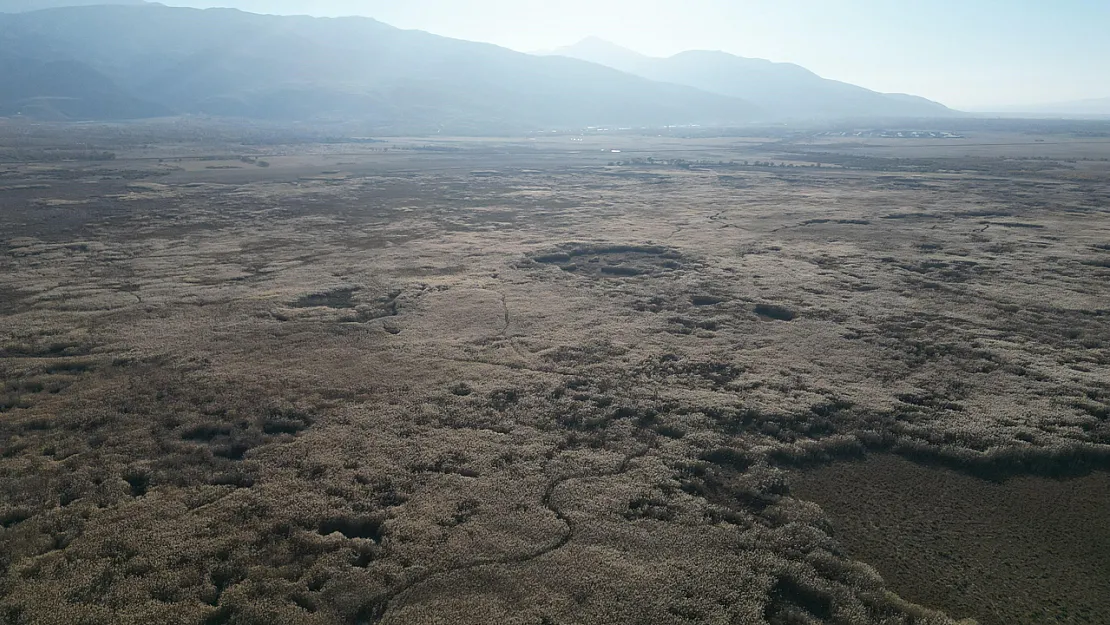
point(536, 380)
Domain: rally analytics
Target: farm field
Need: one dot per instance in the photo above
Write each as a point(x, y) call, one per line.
point(598, 378)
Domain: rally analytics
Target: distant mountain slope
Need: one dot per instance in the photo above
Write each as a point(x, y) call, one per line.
point(23, 6)
point(789, 90)
point(65, 90)
point(227, 62)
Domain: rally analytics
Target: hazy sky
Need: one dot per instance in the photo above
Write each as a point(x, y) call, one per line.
point(971, 54)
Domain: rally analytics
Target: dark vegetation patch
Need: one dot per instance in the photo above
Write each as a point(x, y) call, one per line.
point(206, 432)
point(503, 398)
point(985, 212)
point(686, 325)
point(335, 298)
point(1100, 411)
point(655, 508)
point(622, 270)
point(46, 347)
point(670, 431)
point(138, 480)
point(465, 510)
point(842, 222)
point(793, 602)
point(929, 400)
point(834, 431)
point(25, 390)
point(715, 373)
point(353, 527)
point(285, 421)
point(37, 384)
point(913, 215)
point(774, 311)
point(12, 517)
point(585, 353)
point(453, 462)
point(11, 401)
point(741, 495)
point(612, 260)
point(386, 305)
point(1017, 224)
point(69, 366)
point(12, 301)
point(237, 478)
point(946, 270)
point(461, 389)
point(1004, 462)
point(729, 457)
point(705, 300)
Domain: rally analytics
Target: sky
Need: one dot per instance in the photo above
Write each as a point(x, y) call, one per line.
point(968, 54)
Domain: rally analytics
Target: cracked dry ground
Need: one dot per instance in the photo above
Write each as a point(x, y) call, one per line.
point(559, 396)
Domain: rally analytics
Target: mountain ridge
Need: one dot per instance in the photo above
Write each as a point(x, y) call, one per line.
point(24, 6)
point(791, 90)
point(226, 62)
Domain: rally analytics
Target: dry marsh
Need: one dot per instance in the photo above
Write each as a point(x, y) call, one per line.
point(515, 383)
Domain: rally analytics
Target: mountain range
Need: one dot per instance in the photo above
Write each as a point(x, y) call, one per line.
point(223, 62)
point(790, 91)
point(24, 6)
point(135, 59)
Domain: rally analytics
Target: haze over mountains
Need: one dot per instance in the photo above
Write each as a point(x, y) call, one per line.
point(23, 6)
point(162, 60)
point(136, 59)
point(1092, 107)
point(789, 90)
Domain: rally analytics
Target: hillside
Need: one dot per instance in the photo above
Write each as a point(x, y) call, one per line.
point(790, 91)
point(23, 6)
point(231, 63)
point(64, 89)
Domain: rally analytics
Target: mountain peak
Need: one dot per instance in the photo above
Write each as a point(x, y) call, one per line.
point(597, 43)
point(602, 52)
point(791, 91)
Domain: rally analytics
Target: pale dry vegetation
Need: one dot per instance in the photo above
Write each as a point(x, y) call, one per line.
point(551, 391)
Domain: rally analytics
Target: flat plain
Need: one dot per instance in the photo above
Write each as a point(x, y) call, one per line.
point(607, 378)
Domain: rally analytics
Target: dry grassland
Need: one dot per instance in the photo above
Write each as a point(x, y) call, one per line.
point(519, 385)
